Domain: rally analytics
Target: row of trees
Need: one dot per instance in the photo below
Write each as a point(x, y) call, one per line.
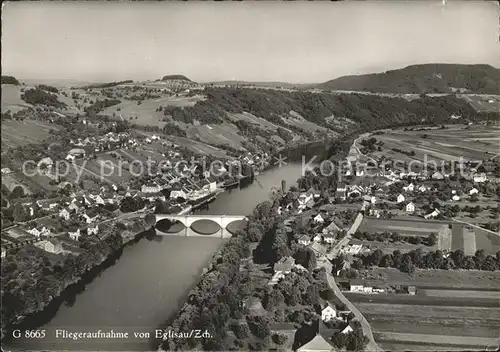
point(408, 262)
point(430, 240)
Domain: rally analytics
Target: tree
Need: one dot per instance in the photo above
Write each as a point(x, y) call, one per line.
point(432, 239)
point(279, 338)
point(19, 213)
point(17, 192)
point(258, 326)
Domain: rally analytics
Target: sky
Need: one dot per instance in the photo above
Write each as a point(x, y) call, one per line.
point(297, 42)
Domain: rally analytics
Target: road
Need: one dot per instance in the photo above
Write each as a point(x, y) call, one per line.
point(367, 331)
point(359, 151)
point(477, 227)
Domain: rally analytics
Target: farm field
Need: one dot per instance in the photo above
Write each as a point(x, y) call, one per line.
point(11, 99)
point(398, 346)
point(412, 226)
point(20, 133)
point(433, 326)
point(448, 312)
point(435, 278)
point(224, 133)
point(11, 182)
point(146, 112)
point(420, 299)
point(449, 144)
point(462, 293)
point(482, 104)
point(465, 342)
point(194, 146)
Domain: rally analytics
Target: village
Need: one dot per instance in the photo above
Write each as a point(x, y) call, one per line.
point(94, 185)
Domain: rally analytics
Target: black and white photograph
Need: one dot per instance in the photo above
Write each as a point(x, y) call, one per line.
point(307, 176)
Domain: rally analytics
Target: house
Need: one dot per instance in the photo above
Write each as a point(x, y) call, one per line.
point(410, 207)
point(329, 238)
point(422, 188)
point(473, 191)
point(284, 265)
point(48, 162)
point(480, 178)
point(178, 194)
point(64, 214)
point(319, 219)
point(305, 240)
point(5, 171)
point(347, 330)
point(341, 191)
point(355, 191)
point(151, 188)
point(356, 285)
point(45, 232)
point(74, 235)
point(409, 188)
point(76, 153)
point(400, 198)
point(345, 265)
point(455, 198)
point(93, 230)
point(315, 193)
point(89, 218)
point(50, 246)
point(4, 252)
point(97, 199)
point(35, 232)
point(332, 227)
point(73, 207)
point(412, 290)
point(317, 344)
point(317, 237)
point(328, 313)
point(434, 213)
point(437, 176)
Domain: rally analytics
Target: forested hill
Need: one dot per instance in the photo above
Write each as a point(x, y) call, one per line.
point(426, 78)
point(366, 111)
point(9, 80)
point(175, 78)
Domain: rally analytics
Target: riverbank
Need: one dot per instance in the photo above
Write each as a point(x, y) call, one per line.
point(134, 229)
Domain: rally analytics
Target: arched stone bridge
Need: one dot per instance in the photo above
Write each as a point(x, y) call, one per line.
point(187, 220)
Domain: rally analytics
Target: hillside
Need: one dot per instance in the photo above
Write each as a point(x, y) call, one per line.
point(175, 78)
point(9, 80)
point(426, 78)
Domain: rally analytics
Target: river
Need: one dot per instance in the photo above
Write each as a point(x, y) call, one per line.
point(147, 283)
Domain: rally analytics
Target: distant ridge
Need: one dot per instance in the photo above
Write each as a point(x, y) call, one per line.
point(263, 84)
point(175, 78)
point(425, 78)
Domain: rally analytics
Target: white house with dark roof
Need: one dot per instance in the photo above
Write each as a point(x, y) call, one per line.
point(328, 313)
point(305, 240)
point(401, 198)
point(319, 219)
point(473, 191)
point(433, 214)
point(74, 235)
point(64, 214)
point(410, 207)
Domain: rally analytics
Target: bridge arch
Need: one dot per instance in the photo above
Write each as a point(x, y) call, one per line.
point(188, 220)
